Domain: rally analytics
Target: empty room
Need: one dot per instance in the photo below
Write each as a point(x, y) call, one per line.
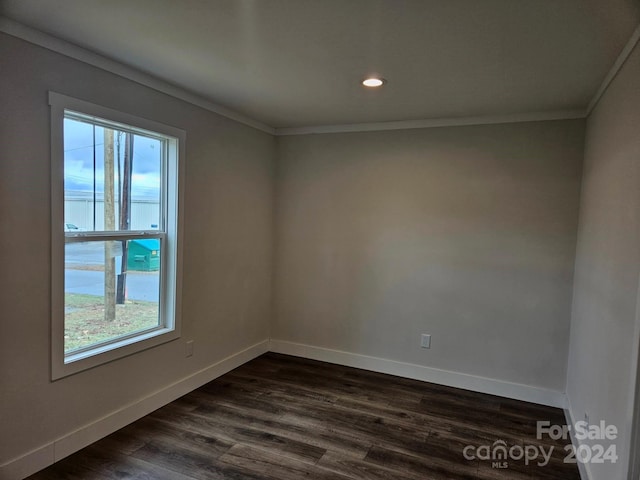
point(321, 239)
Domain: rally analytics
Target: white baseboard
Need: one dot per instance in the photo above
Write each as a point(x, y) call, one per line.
point(583, 468)
point(418, 372)
point(46, 455)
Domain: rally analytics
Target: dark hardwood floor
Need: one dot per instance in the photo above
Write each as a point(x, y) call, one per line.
point(280, 417)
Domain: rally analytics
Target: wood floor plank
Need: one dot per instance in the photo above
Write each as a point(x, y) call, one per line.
point(178, 458)
point(206, 444)
point(361, 469)
point(279, 384)
point(69, 469)
point(369, 427)
point(287, 418)
point(477, 418)
point(430, 467)
point(123, 441)
point(273, 466)
point(231, 433)
point(283, 426)
point(115, 465)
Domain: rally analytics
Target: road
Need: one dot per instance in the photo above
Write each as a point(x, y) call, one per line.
point(87, 253)
point(140, 286)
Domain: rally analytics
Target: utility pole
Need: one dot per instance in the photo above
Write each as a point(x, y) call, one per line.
point(109, 224)
point(125, 214)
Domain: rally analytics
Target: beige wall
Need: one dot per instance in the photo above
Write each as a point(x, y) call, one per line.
point(466, 233)
point(604, 328)
point(227, 247)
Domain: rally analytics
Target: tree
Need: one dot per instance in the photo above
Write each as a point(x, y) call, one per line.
point(109, 224)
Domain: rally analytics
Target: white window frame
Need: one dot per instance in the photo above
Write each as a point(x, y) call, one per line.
point(171, 258)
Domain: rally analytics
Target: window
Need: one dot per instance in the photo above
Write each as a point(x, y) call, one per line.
point(115, 234)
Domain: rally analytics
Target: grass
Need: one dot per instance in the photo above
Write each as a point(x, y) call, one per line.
point(84, 322)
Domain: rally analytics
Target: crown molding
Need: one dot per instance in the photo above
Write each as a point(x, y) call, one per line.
point(71, 50)
point(434, 123)
point(617, 66)
point(55, 44)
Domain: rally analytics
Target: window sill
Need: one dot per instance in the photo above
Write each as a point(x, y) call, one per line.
point(93, 357)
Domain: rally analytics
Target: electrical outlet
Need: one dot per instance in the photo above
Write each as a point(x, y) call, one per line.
point(425, 341)
point(189, 348)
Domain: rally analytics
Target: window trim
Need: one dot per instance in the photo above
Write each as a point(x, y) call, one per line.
point(171, 278)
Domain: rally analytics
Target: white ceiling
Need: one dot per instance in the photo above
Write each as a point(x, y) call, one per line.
point(292, 63)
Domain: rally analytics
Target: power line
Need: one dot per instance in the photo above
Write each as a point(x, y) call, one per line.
point(80, 148)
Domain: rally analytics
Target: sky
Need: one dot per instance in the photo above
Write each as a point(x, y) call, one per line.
point(79, 161)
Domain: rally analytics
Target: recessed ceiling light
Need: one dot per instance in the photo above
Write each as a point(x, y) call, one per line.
point(373, 82)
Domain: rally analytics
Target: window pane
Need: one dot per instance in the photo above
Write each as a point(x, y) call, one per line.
point(105, 298)
point(112, 179)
